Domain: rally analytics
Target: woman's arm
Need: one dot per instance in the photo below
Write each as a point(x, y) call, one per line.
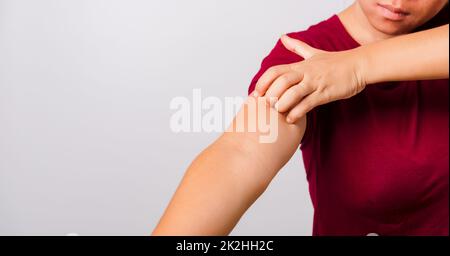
point(418, 56)
point(228, 176)
point(324, 77)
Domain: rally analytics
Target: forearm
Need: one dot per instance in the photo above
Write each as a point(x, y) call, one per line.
point(226, 179)
point(212, 195)
point(418, 56)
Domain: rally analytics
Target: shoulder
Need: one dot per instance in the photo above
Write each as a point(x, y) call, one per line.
point(316, 35)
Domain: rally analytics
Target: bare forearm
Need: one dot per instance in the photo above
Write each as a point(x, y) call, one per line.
point(211, 197)
point(418, 56)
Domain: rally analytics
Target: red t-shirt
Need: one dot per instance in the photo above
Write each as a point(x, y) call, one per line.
point(379, 161)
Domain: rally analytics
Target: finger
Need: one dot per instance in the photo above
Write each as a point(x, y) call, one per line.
point(282, 83)
point(298, 47)
point(268, 77)
point(293, 96)
point(305, 105)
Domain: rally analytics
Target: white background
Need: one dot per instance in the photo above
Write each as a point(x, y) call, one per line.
point(85, 86)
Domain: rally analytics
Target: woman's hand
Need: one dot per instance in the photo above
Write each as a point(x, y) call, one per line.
point(321, 78)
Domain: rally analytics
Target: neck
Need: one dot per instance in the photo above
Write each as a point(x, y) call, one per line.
point(359, 27)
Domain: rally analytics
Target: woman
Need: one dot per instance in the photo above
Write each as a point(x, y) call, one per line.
point(376, 162)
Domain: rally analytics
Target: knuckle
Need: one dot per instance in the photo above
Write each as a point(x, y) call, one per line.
point(282, 108)
point(295, 66)
point(320, 79)
point(320, 87)
point(295, 114)
point(284, 79)
point(272, 71)
point(297, 90)
point(307, 104)
point(325, 95)
point(306, 84)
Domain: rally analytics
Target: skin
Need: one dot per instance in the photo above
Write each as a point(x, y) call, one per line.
point(228, 176)
point(329, 76)
point(373, 26)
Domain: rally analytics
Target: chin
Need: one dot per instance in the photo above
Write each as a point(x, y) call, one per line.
point(392, 27)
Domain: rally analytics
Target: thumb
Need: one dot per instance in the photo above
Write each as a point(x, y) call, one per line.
point(298, 47)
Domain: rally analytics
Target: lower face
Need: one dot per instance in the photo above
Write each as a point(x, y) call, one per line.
point(396, 17)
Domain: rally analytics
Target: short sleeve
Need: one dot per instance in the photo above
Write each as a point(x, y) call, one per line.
point(280, 56)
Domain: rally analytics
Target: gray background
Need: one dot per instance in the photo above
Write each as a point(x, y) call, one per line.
point(85, 86)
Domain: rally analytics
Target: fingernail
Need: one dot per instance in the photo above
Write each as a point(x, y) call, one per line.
point(289, 120)
point(276, 106)
point(255, 94)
